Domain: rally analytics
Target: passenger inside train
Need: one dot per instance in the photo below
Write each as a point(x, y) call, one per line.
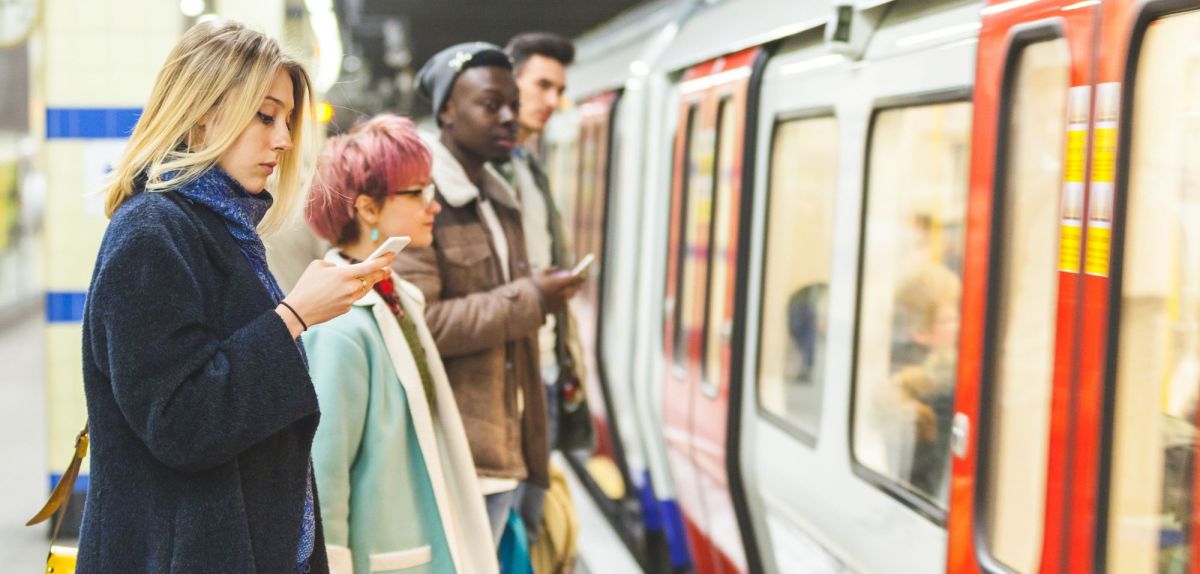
point(917, 403)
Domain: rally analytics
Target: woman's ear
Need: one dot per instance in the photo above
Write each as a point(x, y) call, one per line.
point(367, 209)
point(198, 133)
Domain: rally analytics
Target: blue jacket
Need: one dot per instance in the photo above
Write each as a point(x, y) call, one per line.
point(202, 412)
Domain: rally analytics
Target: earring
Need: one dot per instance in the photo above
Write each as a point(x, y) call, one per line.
point(374, 234)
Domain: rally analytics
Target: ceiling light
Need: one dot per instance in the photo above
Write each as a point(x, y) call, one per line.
point(192, 8)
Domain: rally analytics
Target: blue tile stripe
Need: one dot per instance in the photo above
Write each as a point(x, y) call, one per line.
point(65, 306)
point(81, 483)
point(90, 123)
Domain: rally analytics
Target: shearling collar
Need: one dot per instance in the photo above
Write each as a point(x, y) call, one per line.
point(456, 187)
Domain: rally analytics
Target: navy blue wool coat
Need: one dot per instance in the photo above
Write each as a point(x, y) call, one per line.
point(202, 411)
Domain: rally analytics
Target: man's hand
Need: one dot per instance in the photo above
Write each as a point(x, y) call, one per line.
point(557, 287)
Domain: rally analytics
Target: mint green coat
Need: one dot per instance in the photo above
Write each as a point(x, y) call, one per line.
point(397, 484)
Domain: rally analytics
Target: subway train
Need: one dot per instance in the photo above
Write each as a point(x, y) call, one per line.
point(890, 286)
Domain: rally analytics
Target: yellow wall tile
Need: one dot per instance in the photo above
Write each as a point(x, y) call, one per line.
point(64, 386)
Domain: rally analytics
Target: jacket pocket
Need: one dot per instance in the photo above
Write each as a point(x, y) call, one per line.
point(469, 268)
point(341, 561)
point(401, 559)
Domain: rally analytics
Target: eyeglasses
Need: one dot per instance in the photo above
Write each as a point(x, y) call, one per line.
point(427, 193)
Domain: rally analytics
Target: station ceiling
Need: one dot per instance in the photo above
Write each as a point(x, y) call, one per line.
point(391, 36)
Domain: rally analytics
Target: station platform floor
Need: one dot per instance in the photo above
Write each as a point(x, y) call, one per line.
point(23, 472)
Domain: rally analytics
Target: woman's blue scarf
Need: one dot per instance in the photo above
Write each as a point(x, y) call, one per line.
point(242, 211)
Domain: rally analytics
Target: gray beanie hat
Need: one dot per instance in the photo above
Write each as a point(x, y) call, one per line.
point(436, 77)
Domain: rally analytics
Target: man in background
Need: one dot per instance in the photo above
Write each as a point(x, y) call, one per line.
point(540, 61)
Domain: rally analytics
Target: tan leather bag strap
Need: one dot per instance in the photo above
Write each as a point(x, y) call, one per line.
point(62, 491)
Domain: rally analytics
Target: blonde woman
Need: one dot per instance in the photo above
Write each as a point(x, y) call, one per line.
point(201, 409)
point(398, 487)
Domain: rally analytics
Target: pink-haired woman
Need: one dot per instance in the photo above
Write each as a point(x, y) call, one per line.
point(391, 459)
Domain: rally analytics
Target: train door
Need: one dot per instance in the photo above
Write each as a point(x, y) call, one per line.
point(1014, 480)
point(1143, 295)
point(702, 259)
point(585, 214)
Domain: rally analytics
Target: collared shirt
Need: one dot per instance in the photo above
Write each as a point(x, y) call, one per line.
point(539, 242)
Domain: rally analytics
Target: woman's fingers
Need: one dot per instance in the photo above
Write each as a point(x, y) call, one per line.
point(372, 267)
point(371, 272)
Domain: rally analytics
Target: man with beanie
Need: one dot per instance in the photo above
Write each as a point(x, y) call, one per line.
point(483, 303)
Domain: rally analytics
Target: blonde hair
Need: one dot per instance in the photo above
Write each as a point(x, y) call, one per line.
point(220, 70)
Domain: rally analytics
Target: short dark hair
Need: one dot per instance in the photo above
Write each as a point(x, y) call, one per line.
point(548, 44)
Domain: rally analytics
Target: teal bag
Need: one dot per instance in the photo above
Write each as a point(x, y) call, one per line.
point(514, 547)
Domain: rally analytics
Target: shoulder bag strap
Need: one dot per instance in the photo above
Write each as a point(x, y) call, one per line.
point(62, 491)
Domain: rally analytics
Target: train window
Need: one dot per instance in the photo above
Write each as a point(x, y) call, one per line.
point(719, 318)
point(907, 347)
point(589, 207)
point(587, 188)
point(1158, 342)
point(799, 251)
point(695, 224)
point(1026, 285)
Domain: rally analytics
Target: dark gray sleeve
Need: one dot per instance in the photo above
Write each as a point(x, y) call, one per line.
point(196, 400)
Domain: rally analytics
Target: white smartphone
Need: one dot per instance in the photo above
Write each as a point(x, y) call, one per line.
point(392, 244)
point(583, 265)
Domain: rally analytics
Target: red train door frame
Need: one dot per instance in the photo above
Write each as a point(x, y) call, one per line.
point(696, 402)
point(1007, 28)
point(1083, 519)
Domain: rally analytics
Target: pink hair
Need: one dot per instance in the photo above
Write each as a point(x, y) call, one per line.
point(384, 154)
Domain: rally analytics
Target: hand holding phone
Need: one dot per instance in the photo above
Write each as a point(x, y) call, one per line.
point(583, 265)
point(393, 245)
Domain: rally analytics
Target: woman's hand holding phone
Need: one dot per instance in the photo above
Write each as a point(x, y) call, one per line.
point(326, 291)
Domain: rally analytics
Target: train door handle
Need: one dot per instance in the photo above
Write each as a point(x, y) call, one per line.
point(960, 432)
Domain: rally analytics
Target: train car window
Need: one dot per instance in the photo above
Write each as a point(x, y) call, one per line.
point(685, 316)
point(797, 263)
point(589, 209)
point(910, 292)
point(1158, 339)
point(718, 316)
point(1026, 290)
point(588, 181)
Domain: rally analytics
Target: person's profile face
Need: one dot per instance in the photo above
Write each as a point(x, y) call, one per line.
point(408, 214)
point(252, 158)
point(942, 332)
point(481, 112)
point(541, 82)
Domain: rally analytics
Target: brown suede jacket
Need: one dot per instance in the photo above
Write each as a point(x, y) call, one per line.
point(486, 329)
